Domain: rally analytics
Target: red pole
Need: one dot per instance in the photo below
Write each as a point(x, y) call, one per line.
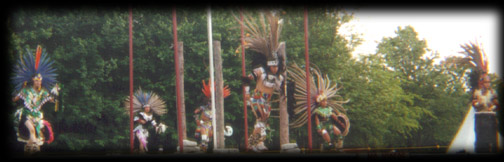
point(243, 74)
point(177, 83)
point(131, 75)
point(307, 59)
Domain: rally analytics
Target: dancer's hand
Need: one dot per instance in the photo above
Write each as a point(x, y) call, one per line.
point(251, 77)
point(15, 99)
point(55, 90)
point(247, 97)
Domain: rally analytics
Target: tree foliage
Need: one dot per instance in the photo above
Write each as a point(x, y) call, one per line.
point(439, 100)
point(398, 96)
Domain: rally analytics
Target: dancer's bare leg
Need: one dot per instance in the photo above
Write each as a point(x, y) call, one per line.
point(32, 140)
point(141, 148)
point(29, 124)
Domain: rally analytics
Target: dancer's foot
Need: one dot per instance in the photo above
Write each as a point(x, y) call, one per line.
point(261, 146)
point(328, 146)
point(255, 149)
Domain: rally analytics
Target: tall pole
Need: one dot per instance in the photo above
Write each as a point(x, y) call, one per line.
point(131, 75)
point(244, 75)
point(180, 69)
point(212, 86)
point(177, 83)
point(307, 59)
point(219, 96)
point(284, 115)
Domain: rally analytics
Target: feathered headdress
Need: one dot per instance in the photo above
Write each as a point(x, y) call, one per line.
point(475, 59)
point(320, 89)
point(206, 89)
point(262, 37)
point(29, 67)
point(141, 99)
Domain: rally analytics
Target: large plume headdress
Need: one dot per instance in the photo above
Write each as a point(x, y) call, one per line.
point(320, 89)
point(475, 59)
point(206, 90)
point(141, 99)
point(28, 67)
point(262, 37)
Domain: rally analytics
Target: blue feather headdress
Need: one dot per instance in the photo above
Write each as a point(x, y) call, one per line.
point(141, 99)
point(28, 67)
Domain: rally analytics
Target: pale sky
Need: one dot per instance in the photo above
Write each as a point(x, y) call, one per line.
point(444, 30)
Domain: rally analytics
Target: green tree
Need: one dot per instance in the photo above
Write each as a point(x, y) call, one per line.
point(380, 106)
point(437, 91)
point(328, 50)
point(90, 49)
point(397, 97)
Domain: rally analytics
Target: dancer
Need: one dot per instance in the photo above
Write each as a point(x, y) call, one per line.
point(33, 78)
point(204, 115)
point(484, 98)
point(330, 119)
point(267, 72)
point(145, 105)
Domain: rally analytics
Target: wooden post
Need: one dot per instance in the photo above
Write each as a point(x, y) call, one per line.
point(219, 95)
point(181, 89)
point(284, 116)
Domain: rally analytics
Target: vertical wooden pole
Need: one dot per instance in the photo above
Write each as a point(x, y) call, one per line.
point(181, 89)
point(219, 95)
point(177, 83)
point(244, 75)
point(130, 17)
point(308, 97)
point(284, 116)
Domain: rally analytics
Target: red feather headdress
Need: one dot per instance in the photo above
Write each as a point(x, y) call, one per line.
point(207, 92)
point(37, 57)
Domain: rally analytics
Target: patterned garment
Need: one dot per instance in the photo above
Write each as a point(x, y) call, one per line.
point(256, 141)
point(325, 118)
point(207, 111)
point(33, 102)
point(485, 100)
point(325, 113)
point(260, 100)
point(204, 127)
point(267, 80)
point(141, 130)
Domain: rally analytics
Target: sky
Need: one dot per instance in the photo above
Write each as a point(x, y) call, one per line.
point(444, 30)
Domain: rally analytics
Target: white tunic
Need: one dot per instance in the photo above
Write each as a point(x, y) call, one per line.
point(485, 99)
